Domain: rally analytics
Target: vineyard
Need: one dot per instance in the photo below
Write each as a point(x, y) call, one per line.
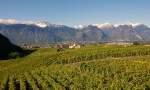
point(87, 68)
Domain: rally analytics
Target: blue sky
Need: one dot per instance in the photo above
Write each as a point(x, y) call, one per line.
point(75, 12)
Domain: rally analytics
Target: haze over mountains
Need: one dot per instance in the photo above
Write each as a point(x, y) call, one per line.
point(43, 32)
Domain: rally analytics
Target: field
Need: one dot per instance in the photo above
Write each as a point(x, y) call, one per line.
point(87, 68)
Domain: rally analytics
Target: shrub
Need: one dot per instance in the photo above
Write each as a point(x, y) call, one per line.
point(14, 55)
point(136, 43)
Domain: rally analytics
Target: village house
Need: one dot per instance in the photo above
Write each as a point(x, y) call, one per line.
point(74, 45)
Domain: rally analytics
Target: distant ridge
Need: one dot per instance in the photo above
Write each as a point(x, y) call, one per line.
point(43, 32)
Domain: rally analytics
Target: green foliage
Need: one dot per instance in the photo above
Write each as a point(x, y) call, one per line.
point(87, 68)
point(14, 55)
point(136, 43)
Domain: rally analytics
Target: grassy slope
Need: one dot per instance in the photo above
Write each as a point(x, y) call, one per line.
point(26, 63)
point(46, 56)
point(112, 74)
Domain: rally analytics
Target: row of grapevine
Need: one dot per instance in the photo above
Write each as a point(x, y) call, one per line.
point(53, 73)
point(32, 81)
point(101, 74)
point(98, 53)
point(47, 57)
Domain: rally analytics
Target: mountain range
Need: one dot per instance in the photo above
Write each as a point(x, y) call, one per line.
point(43, 32)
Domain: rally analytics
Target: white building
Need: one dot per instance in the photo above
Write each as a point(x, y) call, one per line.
point(74, 45)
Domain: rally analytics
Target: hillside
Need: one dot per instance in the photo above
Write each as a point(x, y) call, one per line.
point(8, 50)
point(95, 67)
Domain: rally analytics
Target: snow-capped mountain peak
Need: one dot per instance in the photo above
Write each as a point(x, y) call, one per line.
point(135, 24)
point(128, 24)
point(35, 32)
point(79, 26)
point(104, 26)
point(41, 24)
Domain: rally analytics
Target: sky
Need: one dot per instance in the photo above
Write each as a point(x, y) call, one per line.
point(76, 12)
